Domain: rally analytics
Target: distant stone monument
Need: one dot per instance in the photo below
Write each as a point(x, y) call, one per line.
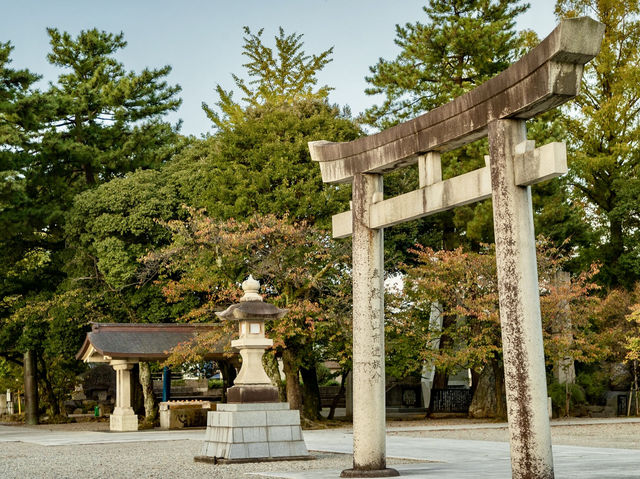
point(253, 426)
point(3, 404)
point(544, 78)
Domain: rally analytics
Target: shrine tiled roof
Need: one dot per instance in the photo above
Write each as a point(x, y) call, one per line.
point(143, 341)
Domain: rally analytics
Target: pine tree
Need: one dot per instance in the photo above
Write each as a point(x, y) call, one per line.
point(465, 43)
point(17, 124)
point(95, 123)
point(106, 121)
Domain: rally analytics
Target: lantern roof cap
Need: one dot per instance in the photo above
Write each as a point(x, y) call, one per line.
point(251, 305)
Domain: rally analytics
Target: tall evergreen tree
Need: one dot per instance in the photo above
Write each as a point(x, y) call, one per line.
point(258, 160)
point(463, 44)
point(19, 261)
point(604, 137)
point(95, 123)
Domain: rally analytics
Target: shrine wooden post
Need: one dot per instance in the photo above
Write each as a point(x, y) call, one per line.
point(546, 77)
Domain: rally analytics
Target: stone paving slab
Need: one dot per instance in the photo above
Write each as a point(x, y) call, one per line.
point(451, 458)
point(455, 458)
point(502, 425)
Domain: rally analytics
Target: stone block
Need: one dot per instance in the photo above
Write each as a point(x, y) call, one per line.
point(283, 418)
point(178, 417)
point(279, 433)
point(254, 434)
point(220, 418)
point(279, 448)
point(258, 449)
point(123, 423)
point(221, 434)
point(237, 451)
point(298, 448)
point(249, 418)
point(267, 406)
point(240, 431)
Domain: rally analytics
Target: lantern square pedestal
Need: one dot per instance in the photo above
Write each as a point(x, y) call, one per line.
point(253, 433)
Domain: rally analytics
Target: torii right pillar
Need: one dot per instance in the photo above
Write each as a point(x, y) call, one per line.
point(520, 319)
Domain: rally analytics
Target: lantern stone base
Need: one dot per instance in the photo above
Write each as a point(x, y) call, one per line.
point(253, 433)
point(123, 420)
point(252, 394)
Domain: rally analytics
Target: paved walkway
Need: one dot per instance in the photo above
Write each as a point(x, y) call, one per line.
point(448, 458)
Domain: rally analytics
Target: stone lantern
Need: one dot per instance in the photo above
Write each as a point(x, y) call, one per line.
point(252, 385)
point(253, 426)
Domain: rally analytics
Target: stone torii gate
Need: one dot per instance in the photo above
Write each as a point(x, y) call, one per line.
point(546, 77)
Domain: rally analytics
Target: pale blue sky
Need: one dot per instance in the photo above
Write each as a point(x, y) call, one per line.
point(202, 40)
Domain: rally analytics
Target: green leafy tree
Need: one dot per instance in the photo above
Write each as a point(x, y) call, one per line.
point(95, 123)
point(17, 125)
point(108, 229)
point(463, 285)
point(603, 124)
point(258, 160)
point(300, 269)
point(284, 77)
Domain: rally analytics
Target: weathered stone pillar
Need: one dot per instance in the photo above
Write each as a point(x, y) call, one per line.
point(520, 318)
point(123, 418)
point(564, 369)
point(369, 442)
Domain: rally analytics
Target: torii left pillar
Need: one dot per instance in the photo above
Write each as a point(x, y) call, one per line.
point(369, 435)
point(123, 418)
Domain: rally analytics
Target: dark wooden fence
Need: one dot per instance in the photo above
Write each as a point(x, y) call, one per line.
point(451, 400)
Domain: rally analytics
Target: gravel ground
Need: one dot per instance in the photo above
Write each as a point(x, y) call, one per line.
point(623, 436)
point(153, 460)
point(174, 459)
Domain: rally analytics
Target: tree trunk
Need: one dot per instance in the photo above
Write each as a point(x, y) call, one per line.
point(30, 388)
point(488, 398)
point(336, 399)
point(270, 363)
point(616, 244)
point(475, 378)
point(52, 399)
point(228, 371)
point(137, 394)
point(310, 394)
point(150, 409)
point(440, 379)
point(501, 395)
point(291, 373)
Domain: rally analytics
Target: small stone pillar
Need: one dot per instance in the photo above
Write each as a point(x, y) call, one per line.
point(9, 397)
point(254, 426)
point(123, 418)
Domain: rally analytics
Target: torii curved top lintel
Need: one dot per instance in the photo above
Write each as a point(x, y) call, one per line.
point(544, 78)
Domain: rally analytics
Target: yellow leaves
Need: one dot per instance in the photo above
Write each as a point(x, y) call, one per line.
point(633, 339)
